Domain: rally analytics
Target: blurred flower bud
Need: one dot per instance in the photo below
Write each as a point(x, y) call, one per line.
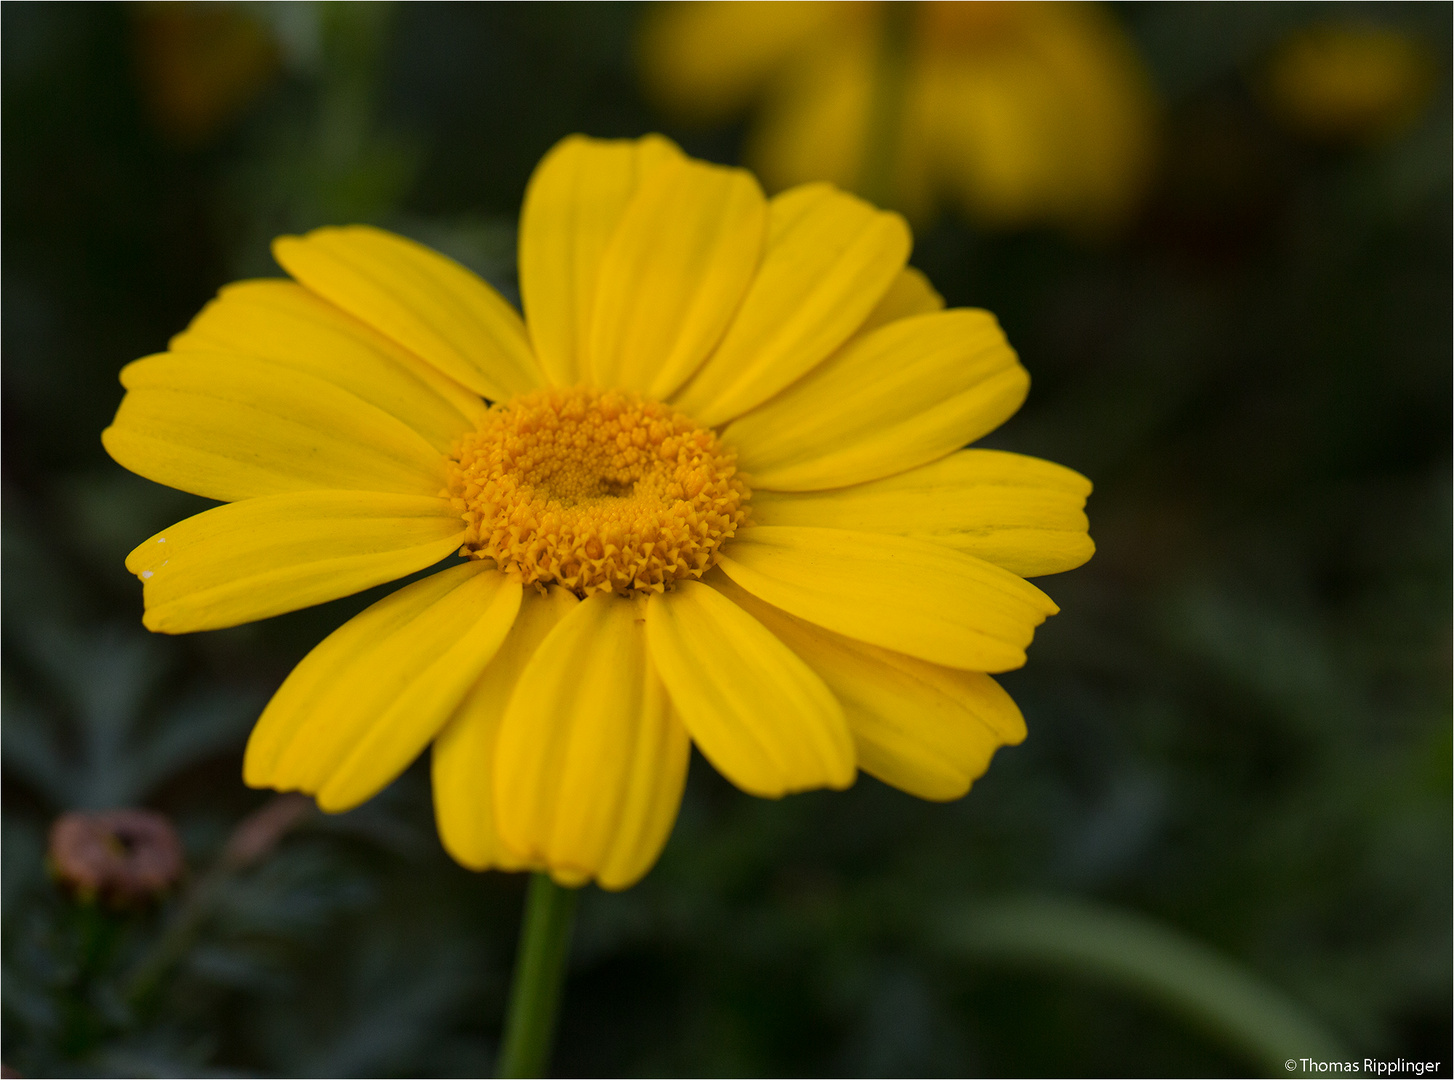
point(1348, 83)
point(200, 65)
point(122, 857)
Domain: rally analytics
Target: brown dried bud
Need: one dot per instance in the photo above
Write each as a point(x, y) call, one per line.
point(119, 856)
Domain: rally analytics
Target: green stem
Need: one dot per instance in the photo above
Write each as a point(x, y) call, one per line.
point(251, 841)
point(173, 943)
point(883, 137)
point(539, 975)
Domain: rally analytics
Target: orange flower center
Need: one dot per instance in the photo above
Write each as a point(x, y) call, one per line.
point(596, 490)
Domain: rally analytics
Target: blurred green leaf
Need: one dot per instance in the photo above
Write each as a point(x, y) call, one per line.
point(1138, 955)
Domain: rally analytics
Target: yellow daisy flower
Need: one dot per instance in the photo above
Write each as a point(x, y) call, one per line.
point(709, 490)
point(1021, 113)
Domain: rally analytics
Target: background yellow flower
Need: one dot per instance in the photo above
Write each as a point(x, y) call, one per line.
point(1348, 82)
point(1015, 113)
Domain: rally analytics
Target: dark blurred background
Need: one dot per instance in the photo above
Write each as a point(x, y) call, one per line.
point(1239, 726)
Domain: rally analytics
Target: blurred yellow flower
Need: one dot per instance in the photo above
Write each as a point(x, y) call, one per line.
point(1349, 83)
point(200, 65)
point(719, 498)
point(1020, 113)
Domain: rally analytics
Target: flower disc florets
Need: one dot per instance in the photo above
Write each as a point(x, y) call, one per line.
point(598, 491)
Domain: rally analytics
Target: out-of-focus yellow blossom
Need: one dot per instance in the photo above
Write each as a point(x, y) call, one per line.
point(1349, 83)
point(200, 65)
point(1020, 113)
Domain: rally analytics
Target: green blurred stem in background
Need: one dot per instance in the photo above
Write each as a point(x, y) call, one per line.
point(539, 975)
point(1144, 957)
point(251, 841)
point(884, 136)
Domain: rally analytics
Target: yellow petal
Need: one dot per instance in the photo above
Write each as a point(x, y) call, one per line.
point(1003, 139)
point(652, 795)
point(706, 60)
point(429, 304)
point(907, 595)
point(573, 204)
point(284, 323)
point(926, 729)
point(815, 125)
point(1059, 128)
point(904, 395)
point(231, 427)
point(756, 711)
point(463, 761)
point(674, 274)
point(829, 259)
point(1018, 512)
point(910, 294)
point(590, 761)
point(1112, 109)
point(367, 700)
point(278, 553)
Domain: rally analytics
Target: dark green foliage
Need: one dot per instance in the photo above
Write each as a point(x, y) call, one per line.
point(1239, 727)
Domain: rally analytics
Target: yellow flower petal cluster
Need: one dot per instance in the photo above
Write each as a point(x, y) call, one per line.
point(684, 339)
point(1018, 113)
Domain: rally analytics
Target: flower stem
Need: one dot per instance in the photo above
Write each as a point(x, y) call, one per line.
point(884, 132)
point(539, 975)
point(253, 840)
